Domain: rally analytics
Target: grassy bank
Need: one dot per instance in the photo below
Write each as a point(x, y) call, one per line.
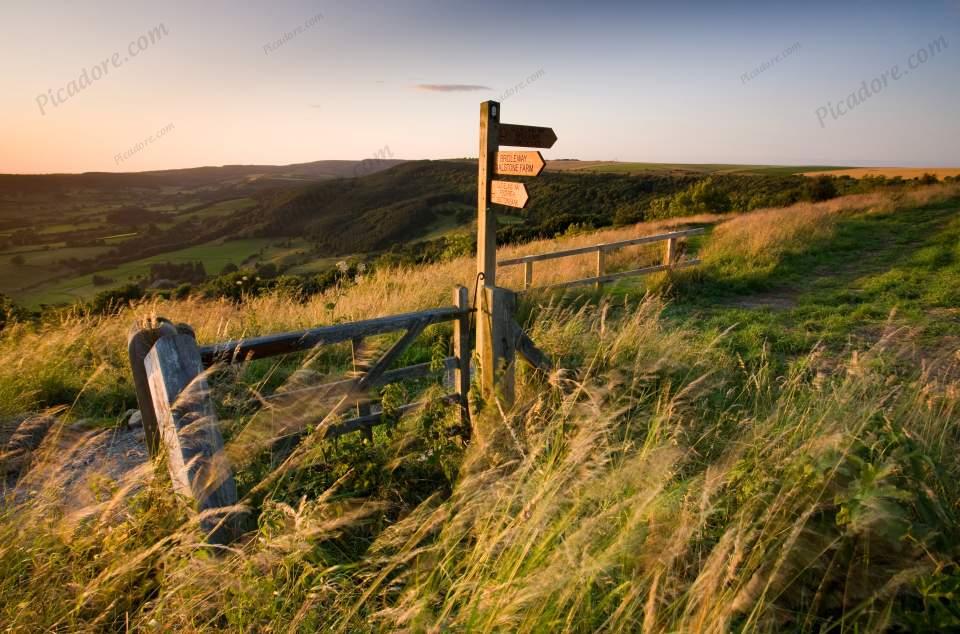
point(769, 444)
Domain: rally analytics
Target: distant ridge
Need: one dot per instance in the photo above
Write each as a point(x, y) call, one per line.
point(256, 175)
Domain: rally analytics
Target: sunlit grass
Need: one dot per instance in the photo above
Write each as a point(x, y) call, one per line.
point(656, 481)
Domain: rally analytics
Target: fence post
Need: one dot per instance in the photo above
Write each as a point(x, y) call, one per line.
point(462, 352)
point(188, 427)
point(140, 340)
point(601, 265)
point(498, 346)
point(487, 245)
point(527, 274)
point(670, 253)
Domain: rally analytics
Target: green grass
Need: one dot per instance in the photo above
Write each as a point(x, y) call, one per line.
point(213, 255)
point(839, 289)
point(223, 208)
point(316, 265)
point(446, 221)
point(39, 265)
point(710, 168)
point(509, 219)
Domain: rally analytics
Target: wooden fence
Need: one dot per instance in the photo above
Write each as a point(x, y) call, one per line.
point(179, 419)
point(670, 260)
point(169, 371)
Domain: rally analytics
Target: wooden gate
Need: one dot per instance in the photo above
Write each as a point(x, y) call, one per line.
point(179, 419)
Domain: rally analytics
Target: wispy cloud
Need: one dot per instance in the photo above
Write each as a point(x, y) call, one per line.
point(451, 87)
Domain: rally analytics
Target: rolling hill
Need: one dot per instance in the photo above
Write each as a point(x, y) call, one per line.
point(58, 231)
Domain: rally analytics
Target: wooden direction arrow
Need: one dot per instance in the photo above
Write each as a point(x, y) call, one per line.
point(509, 194)
point(519, 163)
point(526, 136)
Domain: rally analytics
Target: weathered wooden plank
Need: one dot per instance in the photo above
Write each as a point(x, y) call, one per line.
point(527, 136)
point(527, 274)
point(670, 251)
point(519, 163)
point(509, 193)
point(188, 427)
point(486, 216)
point(486, 221)
point(530, 352)
point(462, 355)
point(361, 366)
point(497, 351)
point(140, 340)
point(607, 246)
point(378, 368)
point(609, 277)
point(601, 265)
point(360, 422)
point(376, 371)
point(315, 395)
point(285, 343)
point(335, 430)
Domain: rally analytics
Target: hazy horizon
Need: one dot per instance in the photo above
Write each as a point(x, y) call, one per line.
point(692, 82)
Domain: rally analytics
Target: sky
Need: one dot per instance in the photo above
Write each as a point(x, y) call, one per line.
point(287, 82)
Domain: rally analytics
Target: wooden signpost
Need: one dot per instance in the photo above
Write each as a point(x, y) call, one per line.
point(526, 136)
point(519, 163)
point(508, 194)
point(496, 336)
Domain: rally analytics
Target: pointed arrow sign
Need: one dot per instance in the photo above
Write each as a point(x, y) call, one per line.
point(509, 194)
point(519, 163)
point(526, 136)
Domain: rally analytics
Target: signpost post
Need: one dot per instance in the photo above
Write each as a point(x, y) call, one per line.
point(495, 325)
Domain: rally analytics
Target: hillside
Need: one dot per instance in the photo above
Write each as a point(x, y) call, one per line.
point(764, 442)
point(65, 238)
point(58, 230)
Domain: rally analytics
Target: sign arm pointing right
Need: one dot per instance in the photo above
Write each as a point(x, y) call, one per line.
point(526, 136)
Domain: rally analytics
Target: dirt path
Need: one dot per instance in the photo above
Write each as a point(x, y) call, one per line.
point(77, 465)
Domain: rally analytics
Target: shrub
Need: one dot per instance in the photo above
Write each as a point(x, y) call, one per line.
point(113, 300)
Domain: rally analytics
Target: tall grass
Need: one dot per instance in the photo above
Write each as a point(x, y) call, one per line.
point(650, 484)
point(663, 487)
point(80, 357)
point(761, 238)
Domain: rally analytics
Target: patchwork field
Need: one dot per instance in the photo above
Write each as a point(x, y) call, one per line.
point(618, 167)
point(888, 172)
point(214, 257)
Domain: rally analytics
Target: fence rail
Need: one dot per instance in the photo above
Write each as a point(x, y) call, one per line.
point(670, 259)
point(288, 342)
